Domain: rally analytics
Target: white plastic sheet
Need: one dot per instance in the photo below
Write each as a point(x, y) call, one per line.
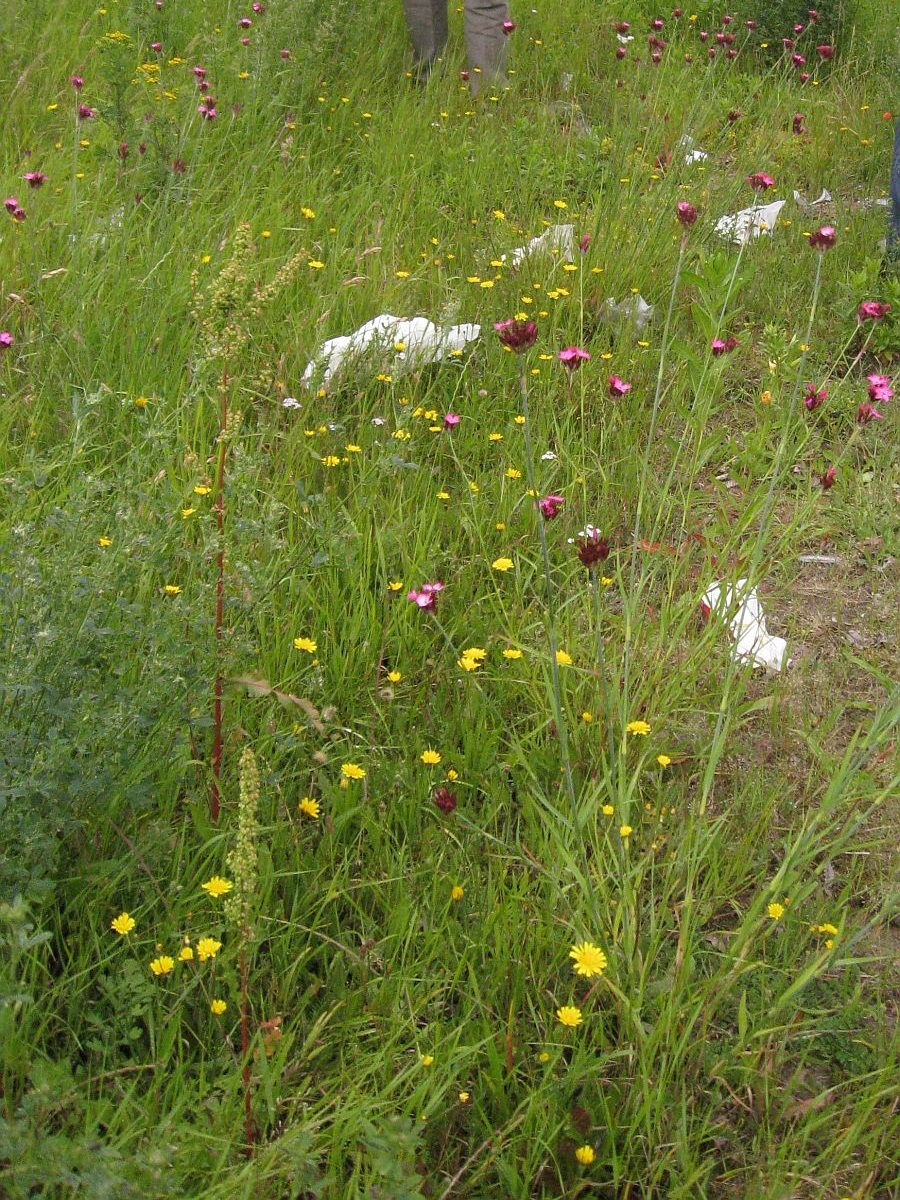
point(559, 238)
point(749, 223)
point(423, 342)
point(747, 627)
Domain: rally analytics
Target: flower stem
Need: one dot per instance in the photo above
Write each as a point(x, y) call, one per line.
point(559, 713)
point(220, 604)
point(601, 667)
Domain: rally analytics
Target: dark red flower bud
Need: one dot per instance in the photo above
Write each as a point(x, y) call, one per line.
point(517, 335)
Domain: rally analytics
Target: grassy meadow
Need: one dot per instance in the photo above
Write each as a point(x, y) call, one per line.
point(317, 880)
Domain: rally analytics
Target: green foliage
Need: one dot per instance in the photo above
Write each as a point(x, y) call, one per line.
point(726, 838)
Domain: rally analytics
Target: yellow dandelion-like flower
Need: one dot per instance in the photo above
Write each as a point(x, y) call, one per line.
point(639, 728)
point(352, 771)
point(185, 954)
point(187, 512)
point(426, 1059)
point(104, 541)
point(663, 760)
point(585, 1155)
point(310, 808)
point(315, 264)
point(172, 589)
point(217, 1007)
point(465, 1097)
point(512, 653)
point(306, 644)
point(162, 965)
point(451, 774)
point(457, 892)
point(217, 886)
point(208, 948)
point(563, 658)
point(495, 437)
point(775, 911)
point(395, 676)
point(569, 1016)
point(430, 757)
point(467, 663)
point(202, 490)
point(587, 717)
point(625, 831)
point(588, 960)
point(395, 585)
point(502, 564)
point(124, 923)
point(331, 460)
point(560, 204)
point(830, 929)
point(513, 473)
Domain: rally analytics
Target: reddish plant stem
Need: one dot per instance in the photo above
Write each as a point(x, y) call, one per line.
point(245, 1054)
point(220, 605)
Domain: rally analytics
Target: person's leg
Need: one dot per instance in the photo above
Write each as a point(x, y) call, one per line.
point(427, 23)
point(893, 239)
point(485, 42)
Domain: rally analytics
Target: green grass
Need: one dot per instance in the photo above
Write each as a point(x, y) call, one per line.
point(403, 1042)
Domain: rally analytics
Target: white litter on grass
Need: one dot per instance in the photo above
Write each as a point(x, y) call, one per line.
point(752, 641)
point(692, 152)
point(635, 311)
point(749, 222)
point(825, 198)
point(423, 342)
point(559, 238)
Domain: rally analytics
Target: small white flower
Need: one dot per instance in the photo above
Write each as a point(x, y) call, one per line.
point(548, 456)
point(378, 420)
point(290, 402)
point(589, 531)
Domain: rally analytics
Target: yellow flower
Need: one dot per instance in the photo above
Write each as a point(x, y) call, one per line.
point(162, 965)
point(217, 886)
point(663, 760)
point(467, 663)
point(451, 774)
point(563, 658)
point(607, 810)
point(187, 512)
point(305, 643)
point(426, 1059)
point(457, 892)
point(395, 676)
point(569, 1015)
point(640, 728)
point(519, 420)
point(315, 264)
point(208, 948)
point(560, 204)
point(543, 1057)
point(827, 929)
point(499, 214)
point(585, 1155)
point(765, 397)
point(172, 589)
point(495, 437)
point(775, 911)
point(587, 717)
point(185, 954)
point(465, 1097)
point(310, 808)
point(307, 213)
point(395, 585)
point(625, 831)
point(511, 652)
point(502, 564)
point(352, 771)
point(104, 541)
point(124, 923)
point(588, 960)
point(217, 1007)
point(140, 402)
point(430, 757)
point(513, 473)
point(331, 460)
point(202, 490)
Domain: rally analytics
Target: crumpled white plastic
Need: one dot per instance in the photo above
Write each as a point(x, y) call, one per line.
point(423, 341)
point(557, 237)
point(752, 641)
point(825, 198)
point(749, 222)
point(635, 310)
point(692, 152)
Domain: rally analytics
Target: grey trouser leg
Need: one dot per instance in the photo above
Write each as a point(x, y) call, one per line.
point(485, 42)
point(894, 229)
point(427, 21)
